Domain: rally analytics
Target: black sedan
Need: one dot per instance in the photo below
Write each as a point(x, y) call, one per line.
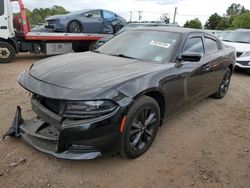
point(113, 100)
point(87, 21)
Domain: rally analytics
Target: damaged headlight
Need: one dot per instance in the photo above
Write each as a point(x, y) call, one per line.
point(88, 109)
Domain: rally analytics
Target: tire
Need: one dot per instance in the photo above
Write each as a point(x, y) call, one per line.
point(248, 72)
point(92, 46)
point(223, 88)
point(75, 27)
point(117, 28)
point(143, 120)
point(7, 52)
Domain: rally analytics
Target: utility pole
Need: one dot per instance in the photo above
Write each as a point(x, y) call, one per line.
point(175, 12)
point(131, 14)
point(140, 15)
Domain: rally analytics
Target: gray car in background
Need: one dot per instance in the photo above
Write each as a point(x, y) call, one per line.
point(87, 21)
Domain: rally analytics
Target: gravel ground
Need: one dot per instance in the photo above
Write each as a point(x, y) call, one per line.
point(208, 145)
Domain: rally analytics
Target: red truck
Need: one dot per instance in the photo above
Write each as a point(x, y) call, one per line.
point(15, 36)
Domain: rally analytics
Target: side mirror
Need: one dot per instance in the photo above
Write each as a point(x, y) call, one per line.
point(190, 56)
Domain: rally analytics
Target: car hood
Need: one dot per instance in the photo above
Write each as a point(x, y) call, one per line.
point(240, 47)
point(89, 72)
point(56, 17)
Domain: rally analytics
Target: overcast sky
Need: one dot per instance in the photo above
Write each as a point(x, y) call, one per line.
point(152, 9)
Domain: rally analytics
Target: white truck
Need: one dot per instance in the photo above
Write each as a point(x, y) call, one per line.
point(15, 36)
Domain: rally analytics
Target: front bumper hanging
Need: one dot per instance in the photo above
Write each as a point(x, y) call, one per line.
point(14, 130)
point(75, 140)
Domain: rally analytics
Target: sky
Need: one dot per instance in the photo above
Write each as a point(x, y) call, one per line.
point(152, 9)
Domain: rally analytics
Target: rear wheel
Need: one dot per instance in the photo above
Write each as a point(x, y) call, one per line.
point(7, 52)
point(224, 85)
point(92, 46)
point(141, 127)
point(117, 28)
point(75, 27)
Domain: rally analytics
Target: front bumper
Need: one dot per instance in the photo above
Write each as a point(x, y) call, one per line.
point(68, 139)
point(56, 25)
point(243, 64)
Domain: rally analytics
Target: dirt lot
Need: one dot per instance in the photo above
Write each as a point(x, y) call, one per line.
point(207, 145)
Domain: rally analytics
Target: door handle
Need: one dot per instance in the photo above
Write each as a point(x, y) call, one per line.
point(3, 27)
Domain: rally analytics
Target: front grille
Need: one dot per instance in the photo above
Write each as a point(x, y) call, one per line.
point(54, 105)
point(245, 63)
point(238, 54)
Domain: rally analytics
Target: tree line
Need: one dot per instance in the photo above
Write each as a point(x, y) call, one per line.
point(237, 16)
point(38, 15)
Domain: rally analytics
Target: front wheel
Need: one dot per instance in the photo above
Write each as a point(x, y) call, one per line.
point(221, 92)
point(7, 52)
point(75, 27)
point(143, 120)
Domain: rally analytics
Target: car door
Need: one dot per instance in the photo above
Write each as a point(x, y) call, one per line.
point(215, 59)
point(110, 20)
point(198, 73)
point(93, 22)
point(6, 27)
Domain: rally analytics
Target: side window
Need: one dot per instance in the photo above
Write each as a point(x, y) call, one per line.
point(194, 44)
point(211, 45)
point(1, 7)
point(94, 13)
point(108, 15)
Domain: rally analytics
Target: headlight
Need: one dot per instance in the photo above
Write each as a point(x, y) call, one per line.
point(88, 109)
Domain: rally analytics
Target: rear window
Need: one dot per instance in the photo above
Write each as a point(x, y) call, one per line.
point(211, 45)
point(1, 7)
point(108, 15)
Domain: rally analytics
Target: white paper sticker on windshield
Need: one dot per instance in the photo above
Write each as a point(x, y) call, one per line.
point(160, 44)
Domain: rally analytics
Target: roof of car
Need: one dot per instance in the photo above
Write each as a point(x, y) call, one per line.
point(172, 29)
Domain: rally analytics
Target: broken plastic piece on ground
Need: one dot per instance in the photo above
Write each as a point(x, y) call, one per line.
point(14, 130)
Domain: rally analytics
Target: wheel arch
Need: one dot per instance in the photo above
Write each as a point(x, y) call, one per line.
point(231, 67)
point(12, 42)
point(158, 95)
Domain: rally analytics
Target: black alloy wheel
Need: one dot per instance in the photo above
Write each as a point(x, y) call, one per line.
point(75, 27)
point(141, 127)
point(224, 85)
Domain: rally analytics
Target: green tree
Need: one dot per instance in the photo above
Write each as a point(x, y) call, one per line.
point(213, 21)
point(236, 9)
point(58, 10)
point(241, 21)
point(38, 15)
point(195, 23)
point(223, 24)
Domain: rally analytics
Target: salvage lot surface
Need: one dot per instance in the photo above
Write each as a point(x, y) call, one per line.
point(207, 145)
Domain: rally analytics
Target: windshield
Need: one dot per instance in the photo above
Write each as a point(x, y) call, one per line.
point(238, 36)
point(147, 45)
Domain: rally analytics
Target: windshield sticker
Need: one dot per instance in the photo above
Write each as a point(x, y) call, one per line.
point(160, 44)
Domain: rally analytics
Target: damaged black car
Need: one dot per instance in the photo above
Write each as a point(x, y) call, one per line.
point(112, 101)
